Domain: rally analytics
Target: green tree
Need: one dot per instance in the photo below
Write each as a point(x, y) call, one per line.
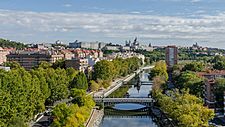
point(45, 65)
point(12, 65)
point(220, 65)
point(194, 66)
point(189, 80)
point(104, 70)
point(160, 69)
point(185, 108)
point(11, 44)
point(219, 91)
point(94, 86)
point(80, 81)
point(57, 83)
point(59, 63)
point(219, 62)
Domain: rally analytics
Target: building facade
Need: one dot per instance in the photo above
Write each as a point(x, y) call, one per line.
point(78, 64)
point(171, 56)
point(87, 45)
point(210, 86)
point(28, 60)
point(3, 54)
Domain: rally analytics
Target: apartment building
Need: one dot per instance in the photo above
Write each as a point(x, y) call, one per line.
point(80, 64)
point(30, 59)
point(209, 87)
point(171, 56)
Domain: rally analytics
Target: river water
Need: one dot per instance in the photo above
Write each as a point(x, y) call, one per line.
point(127, 119)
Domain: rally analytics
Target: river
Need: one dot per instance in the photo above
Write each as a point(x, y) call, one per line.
point(116, 116)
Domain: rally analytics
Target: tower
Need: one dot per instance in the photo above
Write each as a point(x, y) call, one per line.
point(171, 56)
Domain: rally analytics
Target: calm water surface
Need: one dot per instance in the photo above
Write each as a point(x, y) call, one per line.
point(131, 121)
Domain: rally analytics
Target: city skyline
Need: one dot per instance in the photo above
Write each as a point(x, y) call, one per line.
point(160, 22)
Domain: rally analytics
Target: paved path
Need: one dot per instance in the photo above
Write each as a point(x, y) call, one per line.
point(95, 118)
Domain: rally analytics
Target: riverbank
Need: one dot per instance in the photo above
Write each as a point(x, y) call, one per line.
point(95, 118)
point(118, 83)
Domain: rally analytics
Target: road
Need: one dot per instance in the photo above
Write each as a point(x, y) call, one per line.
point(45, 121)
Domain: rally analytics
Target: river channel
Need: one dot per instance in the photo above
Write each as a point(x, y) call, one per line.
point(116, 116)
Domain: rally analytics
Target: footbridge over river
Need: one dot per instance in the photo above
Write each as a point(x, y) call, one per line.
point(137, 100)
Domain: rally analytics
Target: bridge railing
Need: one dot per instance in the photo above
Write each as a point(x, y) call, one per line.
point(123, 99)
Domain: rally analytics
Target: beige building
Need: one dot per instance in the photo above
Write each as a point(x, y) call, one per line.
point(78, 64)
point(3, 54)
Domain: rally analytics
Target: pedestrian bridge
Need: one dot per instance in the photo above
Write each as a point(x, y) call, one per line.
point(111, 101)
point(146, 82)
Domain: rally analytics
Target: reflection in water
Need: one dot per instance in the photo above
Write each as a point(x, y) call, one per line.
point(133, 88)
point(128, 122)
point(125, 106)
point(126, 119)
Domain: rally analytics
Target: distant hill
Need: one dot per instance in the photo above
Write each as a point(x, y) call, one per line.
point(11, 44)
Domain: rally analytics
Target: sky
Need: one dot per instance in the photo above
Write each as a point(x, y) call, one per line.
point(159, 22)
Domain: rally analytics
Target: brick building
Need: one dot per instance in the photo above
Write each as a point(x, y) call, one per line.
point(209, 87)
point(171, 56)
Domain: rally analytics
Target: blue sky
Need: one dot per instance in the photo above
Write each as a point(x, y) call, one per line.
point(160, 22)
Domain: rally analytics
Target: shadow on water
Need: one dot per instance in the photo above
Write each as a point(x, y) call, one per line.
point(128, 115)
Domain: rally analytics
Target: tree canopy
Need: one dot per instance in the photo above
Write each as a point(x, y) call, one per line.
point(189, 80)
point(194, 66)
point(160, 69)
point(185, 108)
point(23, 93)
point(11, 44)
point(108, 70)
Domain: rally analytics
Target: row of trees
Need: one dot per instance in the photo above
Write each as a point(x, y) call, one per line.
point(74, 115)
point(104, 71)
point(185, 109)
point(108, 70)
point(23, 93)
point(159, 76)
point(160, 69)
point(26, 93)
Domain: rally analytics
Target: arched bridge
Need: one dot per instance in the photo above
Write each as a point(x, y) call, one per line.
point(110, 101)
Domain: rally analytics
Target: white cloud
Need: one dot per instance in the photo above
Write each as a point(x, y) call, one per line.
point(207, 28)
point(194, 1)
point(67, 5)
